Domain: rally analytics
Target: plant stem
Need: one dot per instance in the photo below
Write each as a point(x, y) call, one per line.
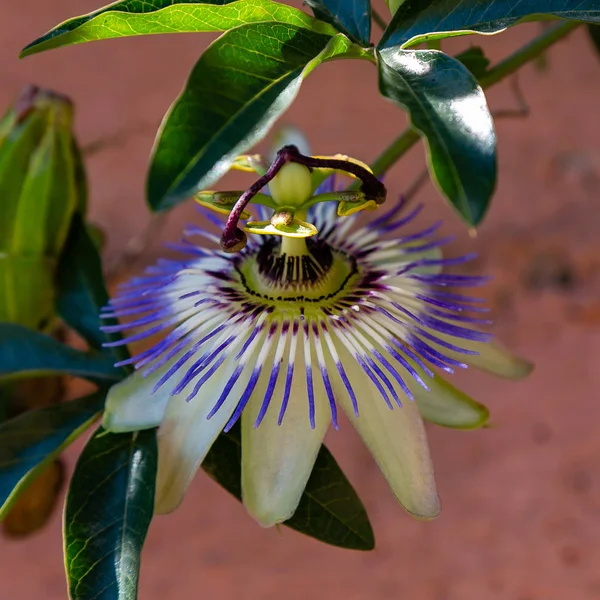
point(402, 144)
point(527, 53)
point(379, 20)
point(407, 139)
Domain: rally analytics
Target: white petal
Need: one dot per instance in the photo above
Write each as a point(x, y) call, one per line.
point(433, 254)
point(445, 405)
point(277, 460)
point(492, 357)
point(186, 434)
point(131, 405)
point(441, 403)
point(393, 255)
point(396, 439)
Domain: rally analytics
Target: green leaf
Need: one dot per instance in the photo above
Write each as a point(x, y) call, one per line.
point(475, 60)
point(594, 33)
point(352, 17)
point(448, 108)
point(330, 510)
point(28, 353)
point(419, 20)
point(35, 438)
point(108, 511)
point(231, 100)
point(143, 17)
point(81, 290)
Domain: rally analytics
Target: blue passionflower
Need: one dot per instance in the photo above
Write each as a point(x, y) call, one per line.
point(288, 330)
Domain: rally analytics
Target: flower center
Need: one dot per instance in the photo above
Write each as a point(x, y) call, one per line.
point(304, 270)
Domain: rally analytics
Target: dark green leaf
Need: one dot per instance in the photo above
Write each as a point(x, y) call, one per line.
point(81, 290)
point(329, 510)
point(418, 20)
point(231, 100)
point(352, 17)
point(448, 108)
point(6, 399)
point(28, 353)
point(108, 511)
point(475, 60)
point(33, 439)
point(594, 31)
point(143, 17)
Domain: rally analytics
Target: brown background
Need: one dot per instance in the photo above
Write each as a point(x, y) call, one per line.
point(521, 518)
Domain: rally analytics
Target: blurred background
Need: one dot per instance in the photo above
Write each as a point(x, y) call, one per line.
point(521, 501)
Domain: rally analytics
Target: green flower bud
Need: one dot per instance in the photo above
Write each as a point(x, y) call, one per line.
point(292, 186)
point(42, 183)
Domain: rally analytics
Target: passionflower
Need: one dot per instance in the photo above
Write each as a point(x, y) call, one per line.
point(282, 328)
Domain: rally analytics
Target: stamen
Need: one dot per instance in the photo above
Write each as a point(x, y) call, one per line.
point(282, 270)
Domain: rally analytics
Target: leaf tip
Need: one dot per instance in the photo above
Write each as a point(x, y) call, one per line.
point(32, 48)
point(27, 51)
point(369, 542)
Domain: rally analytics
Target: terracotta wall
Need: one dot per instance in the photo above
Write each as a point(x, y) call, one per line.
point(521, 500)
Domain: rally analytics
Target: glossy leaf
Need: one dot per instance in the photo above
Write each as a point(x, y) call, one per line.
point(352, 17)
point(108, 511)
point(329, 511)
point(140, 17)
point(28, 353)
point(231, 100)
point(29, 442)
point(81, 290)
point(448, 108)
point(419, 20)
